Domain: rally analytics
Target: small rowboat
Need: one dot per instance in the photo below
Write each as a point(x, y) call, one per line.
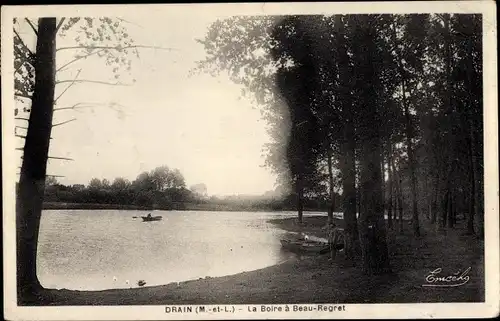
point(305, 247)
point(151, 218)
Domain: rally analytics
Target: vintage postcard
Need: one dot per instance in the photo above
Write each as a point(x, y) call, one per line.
point(250, 161)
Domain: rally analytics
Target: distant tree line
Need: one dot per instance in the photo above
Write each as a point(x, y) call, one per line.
point(164, 188)
point(271, 203)
point(160, 188)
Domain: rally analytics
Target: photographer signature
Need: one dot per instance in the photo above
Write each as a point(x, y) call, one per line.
point(435, 279)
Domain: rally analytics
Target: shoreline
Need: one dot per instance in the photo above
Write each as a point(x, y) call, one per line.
point(318, 279)
point(176, 207)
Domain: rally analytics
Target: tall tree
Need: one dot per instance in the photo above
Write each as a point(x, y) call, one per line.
point(34, 165)
point(144, 182)
point(35, 80)
point(408, 38)
point(367, 88)
point(120, 184)
point(95, 184)
point(265, 60)
point(161, 178)
point(297, 85)
point(347, 136)
point(324, 104)
point(468, 80)
point(390, 196)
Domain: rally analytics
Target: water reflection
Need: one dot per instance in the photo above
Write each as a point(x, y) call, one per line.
point(103, 249)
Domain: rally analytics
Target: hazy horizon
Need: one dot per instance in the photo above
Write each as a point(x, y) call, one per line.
point(199, 124)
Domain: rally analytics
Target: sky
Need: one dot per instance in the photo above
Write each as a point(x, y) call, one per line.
point(199, 124)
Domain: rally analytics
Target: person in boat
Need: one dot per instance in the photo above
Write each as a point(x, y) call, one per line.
point(149, 215)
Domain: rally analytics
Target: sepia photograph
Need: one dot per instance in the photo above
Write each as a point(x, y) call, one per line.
point(264, 160)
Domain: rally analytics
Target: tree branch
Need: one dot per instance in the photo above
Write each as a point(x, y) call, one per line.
point(32, 26)
point(63, 158)
point(126, 21)
point(72, 107)
point(69, 86)
point(55, 157)
point(22, 96)
point(115, 47)
point(59, 24)
point(24, 137)
point(55, 175)
point(92, 81)
point(22, 43)
point(440, 17)
point(64, 122)
point(76, 59)
point(22, 57)
point(17, 69)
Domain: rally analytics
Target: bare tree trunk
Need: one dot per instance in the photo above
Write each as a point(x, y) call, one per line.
point(472, 179)
point(473, 174)
point(382, 179)
point(428, 198)
point(349, 197)
point(455, 206)
point(480, 208)
point(435, 196)
point(479, 181)
point(450, 139)
point(399, 195)
point(395, 188)
point(300, 202)
point(394, 201)
point(409, 146)
point(331, 208)
point(34, 166)
point(400, 206)
point(411, 160)
point(372, 222)
point(390, 178)
point(348, 143)
point(451, 220)
point(444, 210)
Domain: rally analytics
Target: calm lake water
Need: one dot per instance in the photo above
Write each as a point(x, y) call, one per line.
point(105, 249)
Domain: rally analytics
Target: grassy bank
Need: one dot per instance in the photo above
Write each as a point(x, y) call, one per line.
point(318, 280)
